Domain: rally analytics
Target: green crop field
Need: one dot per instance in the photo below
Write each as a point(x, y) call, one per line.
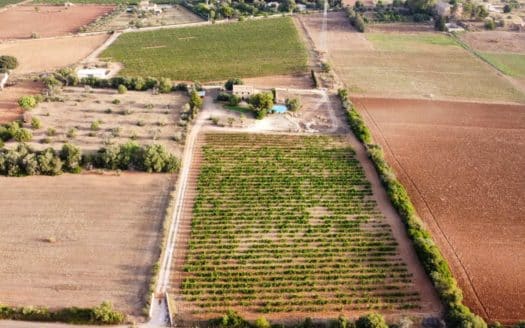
point(207, 53)
point(288, 223)
point(509, 63)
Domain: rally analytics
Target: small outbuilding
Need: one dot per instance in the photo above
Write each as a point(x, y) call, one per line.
point(3, 80)
point(99, 73)
point(243, 91)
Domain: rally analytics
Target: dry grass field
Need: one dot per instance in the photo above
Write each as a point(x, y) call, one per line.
point(138, 116)
point(462, 165)
point(418, 64)
point(77, 240)
point(46, 55)
point(47, 21)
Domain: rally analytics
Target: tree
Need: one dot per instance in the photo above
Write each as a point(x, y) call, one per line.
point(293, 104)
point(359, 23)
point(23, 135)
point(507, 9)
point(421, 6)
point(157, 159)
point(372, 320)
point(195, 100)
point(226, 10)
point(490, 24)
point(105, 314)
point(234, 100)
point(71, 157)
point(440, 24)
point(35, 123)
point(231, 82)
point(261, 102)
point(262, 323)
point(8, 62)
point(49, 163)
point(288, 6)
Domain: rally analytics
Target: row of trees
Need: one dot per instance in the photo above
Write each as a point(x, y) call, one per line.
point(234, 320)
point(23, 160)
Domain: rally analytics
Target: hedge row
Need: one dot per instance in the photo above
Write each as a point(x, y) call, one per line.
point(233, 320)
point(356, 19)
point(24, 161)
point(104, 314)
point(435, 265)
point(164, 85)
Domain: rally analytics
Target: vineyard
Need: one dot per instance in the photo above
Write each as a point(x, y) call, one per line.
point(288, 224)
point(211, 53)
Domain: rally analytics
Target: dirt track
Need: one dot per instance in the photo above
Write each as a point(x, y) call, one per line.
point(47, 21)
point(77, 240)
point(462, 164)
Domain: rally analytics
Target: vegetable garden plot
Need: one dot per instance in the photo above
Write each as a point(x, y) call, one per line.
point(288, 224)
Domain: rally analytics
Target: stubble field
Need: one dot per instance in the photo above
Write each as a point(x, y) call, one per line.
point(77, 240)
point(417, 64)
point(47, 21)
point(462, 165)
point(211, 53)
point(286, 227)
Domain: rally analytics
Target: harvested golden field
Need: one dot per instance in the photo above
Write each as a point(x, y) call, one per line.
point(77, 240)
point(416, 64)
point(45, 55)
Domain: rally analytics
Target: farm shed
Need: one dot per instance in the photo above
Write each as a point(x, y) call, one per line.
point(3, 80)
point(100, 73)
point(243, 91)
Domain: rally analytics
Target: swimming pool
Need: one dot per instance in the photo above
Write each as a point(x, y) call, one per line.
point(279, 109)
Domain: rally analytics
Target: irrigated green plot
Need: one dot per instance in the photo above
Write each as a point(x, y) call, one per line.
point(420, 64)
point(511, 64)
point(288, 223)
point(245, 49)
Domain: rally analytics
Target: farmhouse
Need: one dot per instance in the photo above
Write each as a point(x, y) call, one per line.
point(145, 6)
point(3, 80)
point(243, 91)
point(100, 73)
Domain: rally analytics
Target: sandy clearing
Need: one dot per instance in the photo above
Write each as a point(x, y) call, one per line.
point(107, 231)
point(47, 21)
point(43, 55)
point(461, 165)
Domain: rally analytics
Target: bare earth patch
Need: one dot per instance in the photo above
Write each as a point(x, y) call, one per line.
point(77, 240)
point(9, 109)
point(496, 41)
point(44, 55)
point(21, 22)
point(461, 163)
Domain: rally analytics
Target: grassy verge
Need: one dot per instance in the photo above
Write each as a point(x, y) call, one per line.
point(210, 53)
point(103, 314)
point(240, 109)
point(435, 265)
point(4, 3)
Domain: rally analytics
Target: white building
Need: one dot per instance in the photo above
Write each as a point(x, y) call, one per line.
point(99, 73)
point(3, 80)
point(243, 91)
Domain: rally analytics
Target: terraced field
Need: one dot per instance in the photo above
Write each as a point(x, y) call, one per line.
point(287, 224)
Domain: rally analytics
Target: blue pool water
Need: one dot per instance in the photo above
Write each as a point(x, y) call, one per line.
point(279, 109)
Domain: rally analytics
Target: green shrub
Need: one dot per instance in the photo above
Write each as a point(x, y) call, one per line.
point(71, 133)
point(27, 102)
point(293, 104)
point(35, 123)
point(223, 96)
point(122, 89)
point(8, 62)
point(115, 102)
point(372, 320)
point(261, 103)
point(165, 85)
point(262, 323)
point(95, 125)
point(234, 100)
point(23, 135)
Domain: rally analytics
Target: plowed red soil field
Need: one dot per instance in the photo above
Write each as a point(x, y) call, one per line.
point(463, 166)
point(9, 108)
point(47, 21)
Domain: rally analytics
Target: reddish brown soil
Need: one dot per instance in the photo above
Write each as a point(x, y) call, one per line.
point(77, 240)
point(9, 109)
point(45, 55)
point(462, 164)
point(21, 22)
